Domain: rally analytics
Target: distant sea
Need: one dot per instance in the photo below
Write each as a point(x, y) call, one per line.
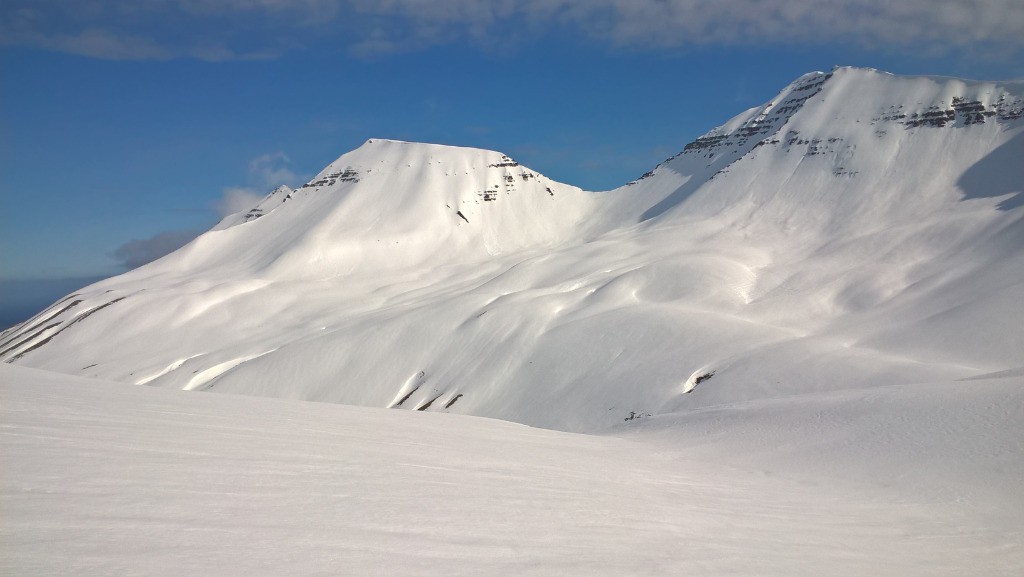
point(21, 299)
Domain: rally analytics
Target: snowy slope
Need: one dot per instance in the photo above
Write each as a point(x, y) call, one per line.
point(860, 230)
point(389, 205)
point(105, 479)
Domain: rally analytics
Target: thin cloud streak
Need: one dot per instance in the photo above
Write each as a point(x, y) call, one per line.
point(266, 172)
point(248, 29)
point(272, 170)
point(237, 199)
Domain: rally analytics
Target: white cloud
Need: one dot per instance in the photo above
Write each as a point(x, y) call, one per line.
point(97, 43)
point(236, 199)
point(265, 173)
point(232, 29)
point(656, 24)
point(271, 170)
point(671, 23)
point(154, 29)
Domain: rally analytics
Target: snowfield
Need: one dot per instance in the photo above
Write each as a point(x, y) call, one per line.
point(794, 348)
point(108, 479)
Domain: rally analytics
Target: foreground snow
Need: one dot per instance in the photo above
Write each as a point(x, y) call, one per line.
point(109, 479)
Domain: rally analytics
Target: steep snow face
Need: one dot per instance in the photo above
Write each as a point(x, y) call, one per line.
point(861, 229)
point(850, 129)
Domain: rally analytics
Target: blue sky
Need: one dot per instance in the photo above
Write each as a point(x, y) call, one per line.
point(128, 127)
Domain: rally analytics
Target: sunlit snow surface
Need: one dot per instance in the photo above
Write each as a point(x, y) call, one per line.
point(797, 346)
point(858, 230)
point(109, 479)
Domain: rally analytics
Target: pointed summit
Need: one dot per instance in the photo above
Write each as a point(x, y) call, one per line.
point(856, 124)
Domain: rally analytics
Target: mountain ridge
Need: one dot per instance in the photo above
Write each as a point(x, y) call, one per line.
point(859, 229)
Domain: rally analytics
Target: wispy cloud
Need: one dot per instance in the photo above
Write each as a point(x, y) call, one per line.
point(159, 29)
point(266, 172)
point(97, 43)
point(272, 170)
point(237, 199)
point(236, 29)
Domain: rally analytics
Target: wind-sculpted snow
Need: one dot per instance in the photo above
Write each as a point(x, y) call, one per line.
point(834, 238)
point(108, 479)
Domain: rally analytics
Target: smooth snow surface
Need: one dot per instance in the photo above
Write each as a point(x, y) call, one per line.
point(107, 479)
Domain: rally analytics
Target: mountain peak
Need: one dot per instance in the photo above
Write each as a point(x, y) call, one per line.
point(391, 204)
point(392, 145)
point(813, 111)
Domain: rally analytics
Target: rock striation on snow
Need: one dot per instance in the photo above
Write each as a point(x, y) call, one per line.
point(860, 229)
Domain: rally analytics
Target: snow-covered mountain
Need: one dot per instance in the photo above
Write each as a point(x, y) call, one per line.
point(859, 230)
